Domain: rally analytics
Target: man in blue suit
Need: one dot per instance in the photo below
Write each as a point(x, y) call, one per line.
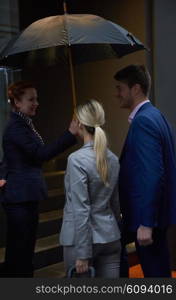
point(147, 182)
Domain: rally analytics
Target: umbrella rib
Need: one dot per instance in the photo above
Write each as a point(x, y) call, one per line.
point(66, 29)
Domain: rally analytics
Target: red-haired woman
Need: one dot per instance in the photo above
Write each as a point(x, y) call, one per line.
point(24, 153)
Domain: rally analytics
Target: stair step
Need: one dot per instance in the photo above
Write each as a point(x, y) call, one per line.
point(49, 228)
point(46, 243)
point(55, 200)
point(58, 163)
point(42, 244)
point(48, 257)
point(49, 223)
point(52, 271)
point(50, 215)
point(54, 173)
point(56, 192)
point(54, 179)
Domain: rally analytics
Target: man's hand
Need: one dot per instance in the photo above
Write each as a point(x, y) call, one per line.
point(73, 128)
point(81, 265)
point(144, 235)
point(2, 182)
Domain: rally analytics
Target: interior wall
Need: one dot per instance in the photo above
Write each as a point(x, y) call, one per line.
point(164, 33)
point(9, 24)
point(55, 99)
point(95, 80)
point(164, 56)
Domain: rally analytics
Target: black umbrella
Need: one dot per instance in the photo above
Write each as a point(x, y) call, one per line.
point(77, 29)
point(89, 37)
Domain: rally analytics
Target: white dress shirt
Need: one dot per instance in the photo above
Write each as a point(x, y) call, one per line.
point(135, 110)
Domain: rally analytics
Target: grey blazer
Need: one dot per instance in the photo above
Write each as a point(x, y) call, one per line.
point(92, 209)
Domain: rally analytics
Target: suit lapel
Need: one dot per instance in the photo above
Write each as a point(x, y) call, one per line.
point(142, 108)
point(125, 145)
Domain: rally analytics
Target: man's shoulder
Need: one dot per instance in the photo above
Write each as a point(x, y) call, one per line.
point(147, 109)
point(152, 121)
point(148, 113)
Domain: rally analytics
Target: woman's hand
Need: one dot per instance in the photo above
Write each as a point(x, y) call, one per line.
point(81, 265)
point(73, 128)
point(2, 182)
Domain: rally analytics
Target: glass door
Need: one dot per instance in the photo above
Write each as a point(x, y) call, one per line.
point(7, 76)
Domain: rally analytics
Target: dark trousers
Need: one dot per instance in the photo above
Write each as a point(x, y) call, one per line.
point(105, 260)
point(126, 238)
point(22, 221)
point(154, 258)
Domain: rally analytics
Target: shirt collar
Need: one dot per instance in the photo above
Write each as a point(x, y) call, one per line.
point(135, 110)
point(88, 144)
point(23, 116)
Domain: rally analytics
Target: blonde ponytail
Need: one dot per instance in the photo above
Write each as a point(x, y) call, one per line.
point(91, 115)
point(100, 147)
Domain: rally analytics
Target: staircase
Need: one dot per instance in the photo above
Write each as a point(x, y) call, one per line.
point(47, 251)
point(48, 260)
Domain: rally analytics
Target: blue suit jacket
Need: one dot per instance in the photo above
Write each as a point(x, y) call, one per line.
point(147, 180)
point(24, 154)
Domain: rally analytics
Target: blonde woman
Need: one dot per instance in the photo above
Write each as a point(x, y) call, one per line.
point(90, 233)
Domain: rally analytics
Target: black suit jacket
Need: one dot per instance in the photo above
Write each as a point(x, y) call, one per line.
point(24, 154)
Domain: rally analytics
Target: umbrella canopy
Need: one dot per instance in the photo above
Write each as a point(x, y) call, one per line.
point(77, 29)
point(91, 38)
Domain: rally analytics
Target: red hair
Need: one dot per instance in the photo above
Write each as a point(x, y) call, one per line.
point(17, 89)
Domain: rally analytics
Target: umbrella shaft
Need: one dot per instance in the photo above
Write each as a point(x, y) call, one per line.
point(72, 77)
point(65, 7)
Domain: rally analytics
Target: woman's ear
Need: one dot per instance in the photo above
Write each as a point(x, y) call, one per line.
point(80, 130)
point(16, 102)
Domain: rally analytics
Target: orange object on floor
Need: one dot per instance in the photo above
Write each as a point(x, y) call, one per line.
point(136, 272)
